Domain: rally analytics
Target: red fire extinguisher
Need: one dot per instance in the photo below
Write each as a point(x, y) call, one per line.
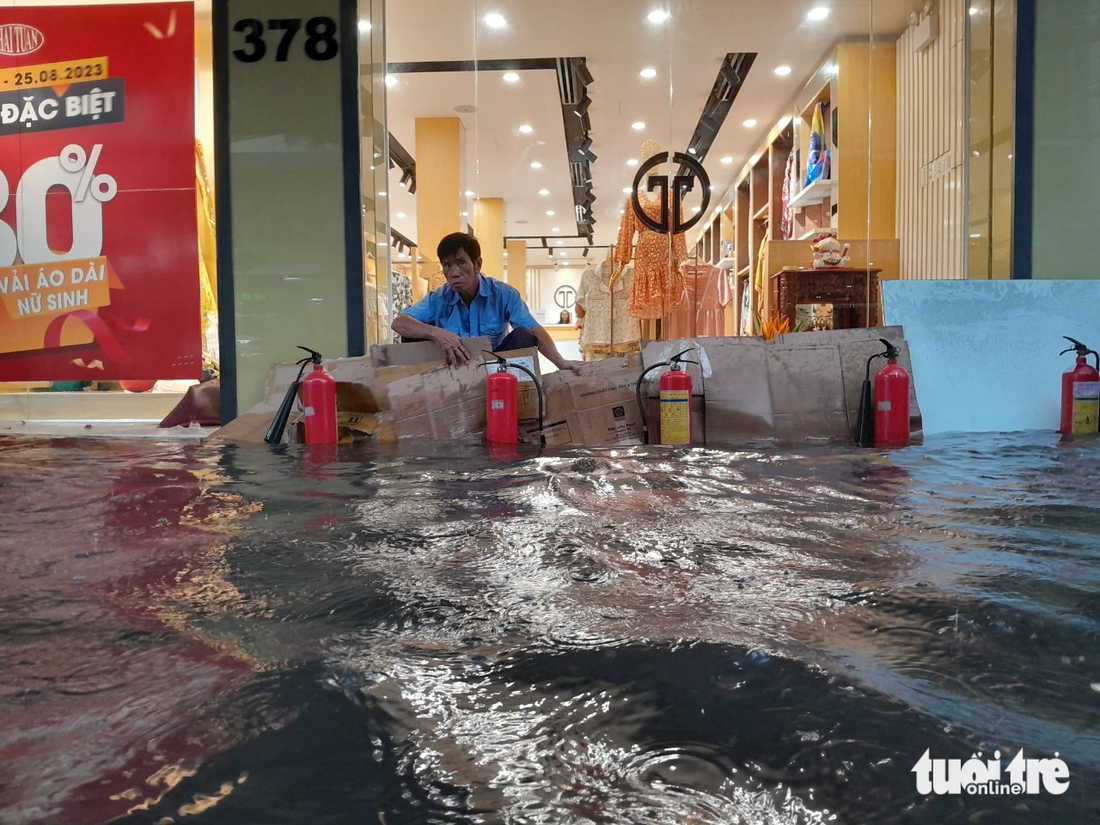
point(676, 385)
point(502, 402)
point(884, 420)
point(319, 401)
point(1080, 392)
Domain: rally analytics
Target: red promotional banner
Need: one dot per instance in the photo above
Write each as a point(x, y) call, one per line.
point(99, 265)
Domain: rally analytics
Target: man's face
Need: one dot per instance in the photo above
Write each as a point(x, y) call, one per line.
point(461, 273)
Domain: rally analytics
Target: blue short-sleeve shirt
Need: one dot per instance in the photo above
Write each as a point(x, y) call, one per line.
point(495, 306)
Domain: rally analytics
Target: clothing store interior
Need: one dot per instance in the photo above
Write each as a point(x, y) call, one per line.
point(776, 125)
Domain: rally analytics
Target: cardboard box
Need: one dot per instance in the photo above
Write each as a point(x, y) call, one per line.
point(443, 403)
point(597, 409)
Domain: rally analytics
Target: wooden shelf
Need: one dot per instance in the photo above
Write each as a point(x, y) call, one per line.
point(742, 273)
point(761, 213)
point(813, 194)
point(821, 230)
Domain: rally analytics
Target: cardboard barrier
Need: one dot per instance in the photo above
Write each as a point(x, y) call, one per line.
point(799, 386)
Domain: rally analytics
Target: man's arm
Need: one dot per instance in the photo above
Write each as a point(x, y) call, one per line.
point(408, 327)
point(548, 348)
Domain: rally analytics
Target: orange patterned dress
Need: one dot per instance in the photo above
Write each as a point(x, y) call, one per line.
point(658, 283)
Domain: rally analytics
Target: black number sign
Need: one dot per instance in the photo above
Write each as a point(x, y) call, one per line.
point(321, 42)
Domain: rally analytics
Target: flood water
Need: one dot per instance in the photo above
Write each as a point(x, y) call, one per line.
point(199, 633)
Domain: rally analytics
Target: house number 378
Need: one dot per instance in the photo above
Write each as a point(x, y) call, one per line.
point(320, 38)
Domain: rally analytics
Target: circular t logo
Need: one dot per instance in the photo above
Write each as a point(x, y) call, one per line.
point(680, 185)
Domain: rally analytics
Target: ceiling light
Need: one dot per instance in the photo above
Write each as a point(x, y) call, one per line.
point(819, 13)
point(632, 162)
point(637, 126)
point(563, 253)
point(748, 124)
point(381, 194)
point(544, 191)
point(622, 211)
point(469, 194)
point(559, 243)
point(713, 187)
point(782, 71)
point(627, 190)
point(401, 214)
point(511, 77)
point(973, 11)
point(555, 229)
point(691, 150)
point(383, 243)
point(976, 235)
point(727, 159)
point(536, 165)
point(526, 129)
point(364, 25)
point(695, 208)
point(648, 73)
point(391, 80)
point(465, 214)
point(658, 16)
point(403, 184)
point(550, 213)
point(495, 21)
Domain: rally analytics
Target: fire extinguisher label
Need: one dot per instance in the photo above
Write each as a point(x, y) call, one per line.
point(308, 411)
point(1086, 406)
point(676, 417)
point(496, 404)
point(885, 406)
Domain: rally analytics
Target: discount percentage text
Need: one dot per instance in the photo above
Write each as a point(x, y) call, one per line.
point(37, 281)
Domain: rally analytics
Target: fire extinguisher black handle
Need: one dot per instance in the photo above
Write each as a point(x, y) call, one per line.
point(638, 394)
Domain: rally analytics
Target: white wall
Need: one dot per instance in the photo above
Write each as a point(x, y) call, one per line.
point(985, 353)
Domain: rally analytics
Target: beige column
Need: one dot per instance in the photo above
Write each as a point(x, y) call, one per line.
point(489, 230)
point(517, 267)
point(440, 163)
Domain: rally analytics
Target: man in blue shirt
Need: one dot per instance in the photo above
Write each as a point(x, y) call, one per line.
point(470, 305)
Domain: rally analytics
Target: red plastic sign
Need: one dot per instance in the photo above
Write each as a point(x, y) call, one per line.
point(99, 275)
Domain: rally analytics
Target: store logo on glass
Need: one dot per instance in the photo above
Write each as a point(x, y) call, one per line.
point(978, 777)
point(17, 39)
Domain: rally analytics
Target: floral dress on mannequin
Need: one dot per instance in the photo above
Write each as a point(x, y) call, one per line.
point(658, 283)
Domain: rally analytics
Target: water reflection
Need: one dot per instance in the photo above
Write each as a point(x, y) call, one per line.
point(231, 634)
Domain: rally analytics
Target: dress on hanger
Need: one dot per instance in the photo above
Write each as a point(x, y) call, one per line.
point(658, 283)
point(400, 292)
point(702, 312)
point(608, 328)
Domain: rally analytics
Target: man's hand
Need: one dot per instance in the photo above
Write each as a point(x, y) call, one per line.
point(452, 347)
point(577, 367)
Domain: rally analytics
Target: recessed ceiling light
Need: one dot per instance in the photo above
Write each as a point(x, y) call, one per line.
point(550, 213)
point(536, 165)
point(695, 208)
point(973, 11)
point(544, 191)
point(648, 73)
point(469, 194)
point(381, 194)
point(526, 129)
point(713, 187)
point(364, 25)
point(637, 126)
point(977, 234)
point(819, 13)
point(748, 124)
point(632, 162)
point(782, 71)
point(658, 16)
point(383, 243)
point(401, 214)
point(563, 253)
point(465, 214)
point(511, 77)
point(495, 21)
point(555, 229)
point(559, 243)
point(391, 80)
point(627, 190)
point(727, 159)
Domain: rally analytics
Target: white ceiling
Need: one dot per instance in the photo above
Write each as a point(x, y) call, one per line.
point(618, 42)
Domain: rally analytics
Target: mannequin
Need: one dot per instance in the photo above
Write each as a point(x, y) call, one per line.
point(602, 303)
point(658, 283)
